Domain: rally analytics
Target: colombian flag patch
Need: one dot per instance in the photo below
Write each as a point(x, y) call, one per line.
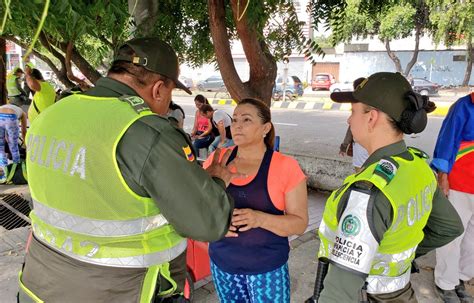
point(188, 153)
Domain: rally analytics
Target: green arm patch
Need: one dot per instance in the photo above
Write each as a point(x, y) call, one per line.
point(387, 169)
point(137, 103)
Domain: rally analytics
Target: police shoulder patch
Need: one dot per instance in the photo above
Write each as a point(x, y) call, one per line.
point(137, 103)
point(386, 168)
point(188, 153)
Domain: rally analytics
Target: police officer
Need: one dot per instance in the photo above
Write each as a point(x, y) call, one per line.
point(380, 219)
point(116, 188)
point(16, 94)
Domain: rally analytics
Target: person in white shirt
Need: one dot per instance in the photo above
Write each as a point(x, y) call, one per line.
point(221, 122)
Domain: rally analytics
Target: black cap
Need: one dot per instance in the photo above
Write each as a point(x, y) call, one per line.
point(384, 91)
point(156, 56)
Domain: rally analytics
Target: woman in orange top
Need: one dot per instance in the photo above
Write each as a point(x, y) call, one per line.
point(251, 263)
point(202, 130)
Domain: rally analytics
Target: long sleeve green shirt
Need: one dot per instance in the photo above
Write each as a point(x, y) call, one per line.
point(443, 226)
point(153, 164)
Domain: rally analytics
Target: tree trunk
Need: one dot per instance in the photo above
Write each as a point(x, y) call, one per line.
point(470, 58)
point(3, 71)
point(145, 14)
point(86, 69)
point(414, 58)
point(263, 67)
point(392, 56)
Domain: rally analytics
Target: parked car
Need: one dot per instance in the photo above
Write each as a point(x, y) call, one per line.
point(424, 87)
point(186, 81)
point(213, 83)
point(345, 86)
point(294, 86)
point(322, 81)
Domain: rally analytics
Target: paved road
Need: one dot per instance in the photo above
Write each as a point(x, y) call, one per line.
point(315, 132)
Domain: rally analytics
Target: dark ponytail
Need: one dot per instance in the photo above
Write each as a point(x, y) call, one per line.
point(264, 113)
point(201, 99)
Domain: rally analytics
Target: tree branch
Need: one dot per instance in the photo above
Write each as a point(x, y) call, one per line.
point(392, 56)
point(35, 52)
point(88, 70)
point(470, 59)
point(221, 43)
point(262, 65)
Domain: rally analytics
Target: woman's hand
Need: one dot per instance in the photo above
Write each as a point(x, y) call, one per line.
point(247, 218)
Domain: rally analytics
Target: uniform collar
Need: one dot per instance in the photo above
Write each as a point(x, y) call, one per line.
point(397, 148)
point(108, 87)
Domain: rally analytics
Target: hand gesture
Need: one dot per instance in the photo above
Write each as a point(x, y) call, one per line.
point(220, 169)
point(232, 232)
point(246, 218)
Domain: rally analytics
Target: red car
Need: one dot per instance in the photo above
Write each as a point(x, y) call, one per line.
point(322, 81)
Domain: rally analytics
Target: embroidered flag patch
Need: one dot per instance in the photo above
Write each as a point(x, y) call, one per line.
point(188, 153)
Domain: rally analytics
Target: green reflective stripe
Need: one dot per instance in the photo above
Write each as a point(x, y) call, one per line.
point(138, 251)
point(393, 264)
point(10, 173)
point(26, 291)
point(326, 231)
point(23, 170)
point(93, 227)
point(165, 273)
point(149, 284)
point(386, 284)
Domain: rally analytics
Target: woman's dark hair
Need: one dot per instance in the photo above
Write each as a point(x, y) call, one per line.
point(265, 115)
point(206, 108)
point(35, 73)
point(201, 99)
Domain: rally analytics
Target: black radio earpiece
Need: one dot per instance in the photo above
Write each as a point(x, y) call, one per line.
point(414, 118)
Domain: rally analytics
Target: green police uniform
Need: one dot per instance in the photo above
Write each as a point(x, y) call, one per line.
point(442, 226)
point(150, 166)
point(16, 94)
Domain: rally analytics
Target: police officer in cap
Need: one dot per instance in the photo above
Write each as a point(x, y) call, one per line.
point(391, 212)
point(116, 189)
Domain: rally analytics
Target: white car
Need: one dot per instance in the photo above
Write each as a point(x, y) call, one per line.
point(346, 86)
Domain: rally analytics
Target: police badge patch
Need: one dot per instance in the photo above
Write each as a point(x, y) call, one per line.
point(386, 168)
point(351, 226)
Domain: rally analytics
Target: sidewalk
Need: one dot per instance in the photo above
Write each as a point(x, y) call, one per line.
point(302, 261)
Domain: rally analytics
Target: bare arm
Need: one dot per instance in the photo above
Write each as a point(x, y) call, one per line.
point(23, 126)
point(33, 84)
point(208, 130)
point(293, 222)
point(443, 182)
point(222, 132)
point(195, 126)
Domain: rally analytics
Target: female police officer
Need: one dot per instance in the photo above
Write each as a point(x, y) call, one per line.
point(380, 219)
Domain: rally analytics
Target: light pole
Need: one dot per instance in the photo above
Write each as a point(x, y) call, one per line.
point(285, 76)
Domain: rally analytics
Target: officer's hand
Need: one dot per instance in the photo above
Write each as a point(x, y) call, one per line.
point(443, 182)
point(247, 218)
point(232, 232)
point(220, 169)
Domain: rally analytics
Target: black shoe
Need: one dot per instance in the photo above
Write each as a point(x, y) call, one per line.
point(462, 293)
point(448, 296)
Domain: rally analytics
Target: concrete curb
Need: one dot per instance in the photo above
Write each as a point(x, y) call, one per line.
point(326, 104)
point(323, 173)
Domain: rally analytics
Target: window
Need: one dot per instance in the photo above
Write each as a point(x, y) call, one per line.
point(459, 58)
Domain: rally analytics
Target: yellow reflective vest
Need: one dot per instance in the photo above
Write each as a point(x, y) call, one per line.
point(409, 185)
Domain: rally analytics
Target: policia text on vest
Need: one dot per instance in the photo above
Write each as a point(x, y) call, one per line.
point(58, 154)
